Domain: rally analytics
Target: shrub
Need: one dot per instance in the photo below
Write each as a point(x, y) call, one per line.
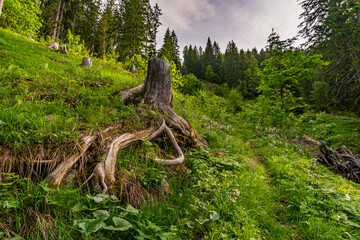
point(191, 85)
point(21, 16)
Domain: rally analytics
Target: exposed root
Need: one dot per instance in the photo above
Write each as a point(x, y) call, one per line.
point(105, 170)
point(62, 169)
point(176, 161)
point(131, 93)
point(176, 121)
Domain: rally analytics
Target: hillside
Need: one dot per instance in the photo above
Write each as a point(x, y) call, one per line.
point(250, 182)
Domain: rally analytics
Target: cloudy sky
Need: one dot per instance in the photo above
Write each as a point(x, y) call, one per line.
point(247, 22)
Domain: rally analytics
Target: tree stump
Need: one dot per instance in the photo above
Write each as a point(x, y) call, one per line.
point(53, 45)
point(132, 69)
point(63, 49)
point(86, 62)
point(157, 92)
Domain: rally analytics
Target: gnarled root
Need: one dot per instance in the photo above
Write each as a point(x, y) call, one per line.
point(105, 170)
point(131, 93)
point(176, 161)
point(56, 176)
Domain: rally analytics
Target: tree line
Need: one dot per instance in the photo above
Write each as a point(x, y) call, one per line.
point(123, 28)
point(113, 28)
point(332, 32)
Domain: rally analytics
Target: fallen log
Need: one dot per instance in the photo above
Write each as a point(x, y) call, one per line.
point(342, 161)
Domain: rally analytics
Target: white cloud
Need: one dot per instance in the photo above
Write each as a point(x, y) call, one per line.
point(247, 22)
point(182, 14)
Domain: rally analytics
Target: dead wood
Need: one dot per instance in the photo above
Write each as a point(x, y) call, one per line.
point(342, 161)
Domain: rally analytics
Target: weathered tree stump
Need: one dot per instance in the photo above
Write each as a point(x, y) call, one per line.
point(132, 69)
point(343, 161)
point(53, 45)
point(86, 62)
point(63, 49)
point(157, 92)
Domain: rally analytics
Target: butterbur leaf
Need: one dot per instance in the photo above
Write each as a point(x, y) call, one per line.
point(202, 220)
point(120, 225)
point(90, 225)
point(131, 209)
point(100, 198)
point(214, 215)
point(101, 214)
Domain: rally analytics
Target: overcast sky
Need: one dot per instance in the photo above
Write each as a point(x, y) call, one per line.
point(247, 22)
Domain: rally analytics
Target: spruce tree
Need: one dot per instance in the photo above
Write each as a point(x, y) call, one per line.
point(176, 51)
point(133, 28)
point(332, 28)
point(208, 59)
point(231, 65)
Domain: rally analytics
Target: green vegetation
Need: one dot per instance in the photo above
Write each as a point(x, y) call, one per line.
point(247, 180)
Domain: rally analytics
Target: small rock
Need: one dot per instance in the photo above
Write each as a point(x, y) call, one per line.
point(86, 62)
point(53, 45)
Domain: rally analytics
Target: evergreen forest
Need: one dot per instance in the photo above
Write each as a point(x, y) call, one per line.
point(106, 133)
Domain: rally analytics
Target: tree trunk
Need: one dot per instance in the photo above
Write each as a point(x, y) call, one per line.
point(56, 20)
point(61, 25)
point(1, 4)
point(158, 93)
point(74, 17)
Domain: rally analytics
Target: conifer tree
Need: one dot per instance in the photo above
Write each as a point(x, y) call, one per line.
point(152, 25)
point(218, 61)
point(176, 51)
point(231, 64)
point(170, 48)
point(133, 29)
point(208, 58)
point(332, 29)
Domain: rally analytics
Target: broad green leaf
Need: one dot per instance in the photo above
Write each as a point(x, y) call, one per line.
point(101, 214)
point(89, 225)
point(120, 225)
point(214, 215)
point(202, 220)
point(131, 209)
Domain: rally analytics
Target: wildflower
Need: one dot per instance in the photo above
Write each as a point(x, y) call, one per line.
point(258, 231)
point(264, 237)
point(174, 234)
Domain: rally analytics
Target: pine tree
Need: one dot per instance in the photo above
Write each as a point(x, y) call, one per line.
point(175, 50)
point(332, 28)
point(167, 49)
point(218, 61)
point(133, 29)
point(231, 65)
point(208, 59)
point(152, 25)
point(106, 30)
point(170, 48)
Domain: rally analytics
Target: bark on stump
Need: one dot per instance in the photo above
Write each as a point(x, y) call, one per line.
point(86, 62)
point(63, 49)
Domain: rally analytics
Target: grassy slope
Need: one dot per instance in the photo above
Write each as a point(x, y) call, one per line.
point(258, 187)
point(36, 89)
